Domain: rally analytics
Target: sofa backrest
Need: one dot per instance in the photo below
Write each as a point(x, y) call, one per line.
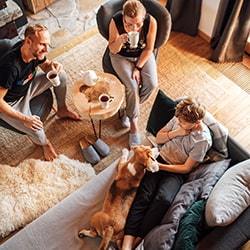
point(236, 151)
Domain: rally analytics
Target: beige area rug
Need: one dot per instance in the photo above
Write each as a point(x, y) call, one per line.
point(178, 76)
point(34, 186)
point(231, 70)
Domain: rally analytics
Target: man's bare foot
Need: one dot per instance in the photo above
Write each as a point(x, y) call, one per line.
point(49, 152)
point(63, 112)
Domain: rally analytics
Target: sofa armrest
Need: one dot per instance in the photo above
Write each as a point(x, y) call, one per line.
point(229, 237)
point(236, 151)
point(58, 227)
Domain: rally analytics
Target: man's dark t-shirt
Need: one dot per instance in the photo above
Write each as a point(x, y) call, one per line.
point(16, 75)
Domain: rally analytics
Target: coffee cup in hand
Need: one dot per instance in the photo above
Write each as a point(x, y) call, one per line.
point(133, 39)
point(53, 78)
point(105, 100)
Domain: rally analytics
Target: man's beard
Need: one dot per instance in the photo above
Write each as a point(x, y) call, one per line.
point(37, 56)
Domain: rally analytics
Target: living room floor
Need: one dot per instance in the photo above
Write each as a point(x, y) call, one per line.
point(64, 19)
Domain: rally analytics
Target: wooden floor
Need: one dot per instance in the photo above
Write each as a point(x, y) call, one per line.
point(233, 111)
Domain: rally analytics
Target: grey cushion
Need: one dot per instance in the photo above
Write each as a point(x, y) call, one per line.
point(5, 45)
point(210, 173)
point(230, 196)
point(219, 150)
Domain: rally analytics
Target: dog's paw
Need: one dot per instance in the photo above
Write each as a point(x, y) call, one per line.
point(125, 152)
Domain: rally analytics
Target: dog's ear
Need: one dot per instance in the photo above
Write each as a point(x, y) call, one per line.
point(136, 149)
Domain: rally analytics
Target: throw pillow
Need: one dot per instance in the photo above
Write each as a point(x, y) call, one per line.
point(162, 112)
point(191, 227)
point(219, 150)
point(230, 196)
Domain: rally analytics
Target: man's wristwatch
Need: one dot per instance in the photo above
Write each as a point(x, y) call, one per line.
point(139, 68)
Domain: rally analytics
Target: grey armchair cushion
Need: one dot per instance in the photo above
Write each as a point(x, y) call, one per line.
point(5, 44)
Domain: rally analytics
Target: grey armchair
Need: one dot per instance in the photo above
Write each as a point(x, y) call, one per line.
point(41, 105)
point(153, 7)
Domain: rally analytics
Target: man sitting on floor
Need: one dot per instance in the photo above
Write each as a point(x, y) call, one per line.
point(20, 82)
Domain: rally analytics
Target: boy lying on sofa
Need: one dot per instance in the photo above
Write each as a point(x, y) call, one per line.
point(186, 140)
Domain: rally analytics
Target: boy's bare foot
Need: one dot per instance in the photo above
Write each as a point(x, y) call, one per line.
point(63, 112)
point(49, 152)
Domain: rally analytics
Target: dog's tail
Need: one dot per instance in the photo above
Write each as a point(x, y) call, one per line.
point(108, 233)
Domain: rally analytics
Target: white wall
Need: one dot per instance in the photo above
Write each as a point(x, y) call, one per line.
point(208, 15)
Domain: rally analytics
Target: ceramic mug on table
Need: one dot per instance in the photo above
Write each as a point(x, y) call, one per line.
point(53, 77)
point(133, 39)
point(105, 100)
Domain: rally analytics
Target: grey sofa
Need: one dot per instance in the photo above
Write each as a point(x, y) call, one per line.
point(58, 228)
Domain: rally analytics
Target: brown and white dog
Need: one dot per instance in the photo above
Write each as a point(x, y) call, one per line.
point(109, 223)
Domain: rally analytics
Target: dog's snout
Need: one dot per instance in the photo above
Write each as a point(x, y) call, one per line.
point(80, 235)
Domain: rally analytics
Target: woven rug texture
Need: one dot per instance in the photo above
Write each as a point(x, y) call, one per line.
point(177, 76)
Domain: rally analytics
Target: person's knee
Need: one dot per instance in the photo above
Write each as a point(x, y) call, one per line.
point(163, 201)
point(38, 137)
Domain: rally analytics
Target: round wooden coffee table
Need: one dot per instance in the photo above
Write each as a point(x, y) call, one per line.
point(86, 99)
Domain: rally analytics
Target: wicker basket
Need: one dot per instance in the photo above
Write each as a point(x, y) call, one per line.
point(37, 5)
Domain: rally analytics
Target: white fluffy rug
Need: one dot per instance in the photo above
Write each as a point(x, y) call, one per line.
point(34, 186)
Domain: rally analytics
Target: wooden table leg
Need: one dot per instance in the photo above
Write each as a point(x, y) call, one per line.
point(93, 126)
point(100, 128)
point(94, 129)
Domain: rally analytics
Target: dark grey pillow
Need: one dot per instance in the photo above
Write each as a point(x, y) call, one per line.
point(162, 112)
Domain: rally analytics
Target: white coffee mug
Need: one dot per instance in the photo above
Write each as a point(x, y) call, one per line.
point(133, 39)
point(53, 78)
point(105, 100)
point(89, 77)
